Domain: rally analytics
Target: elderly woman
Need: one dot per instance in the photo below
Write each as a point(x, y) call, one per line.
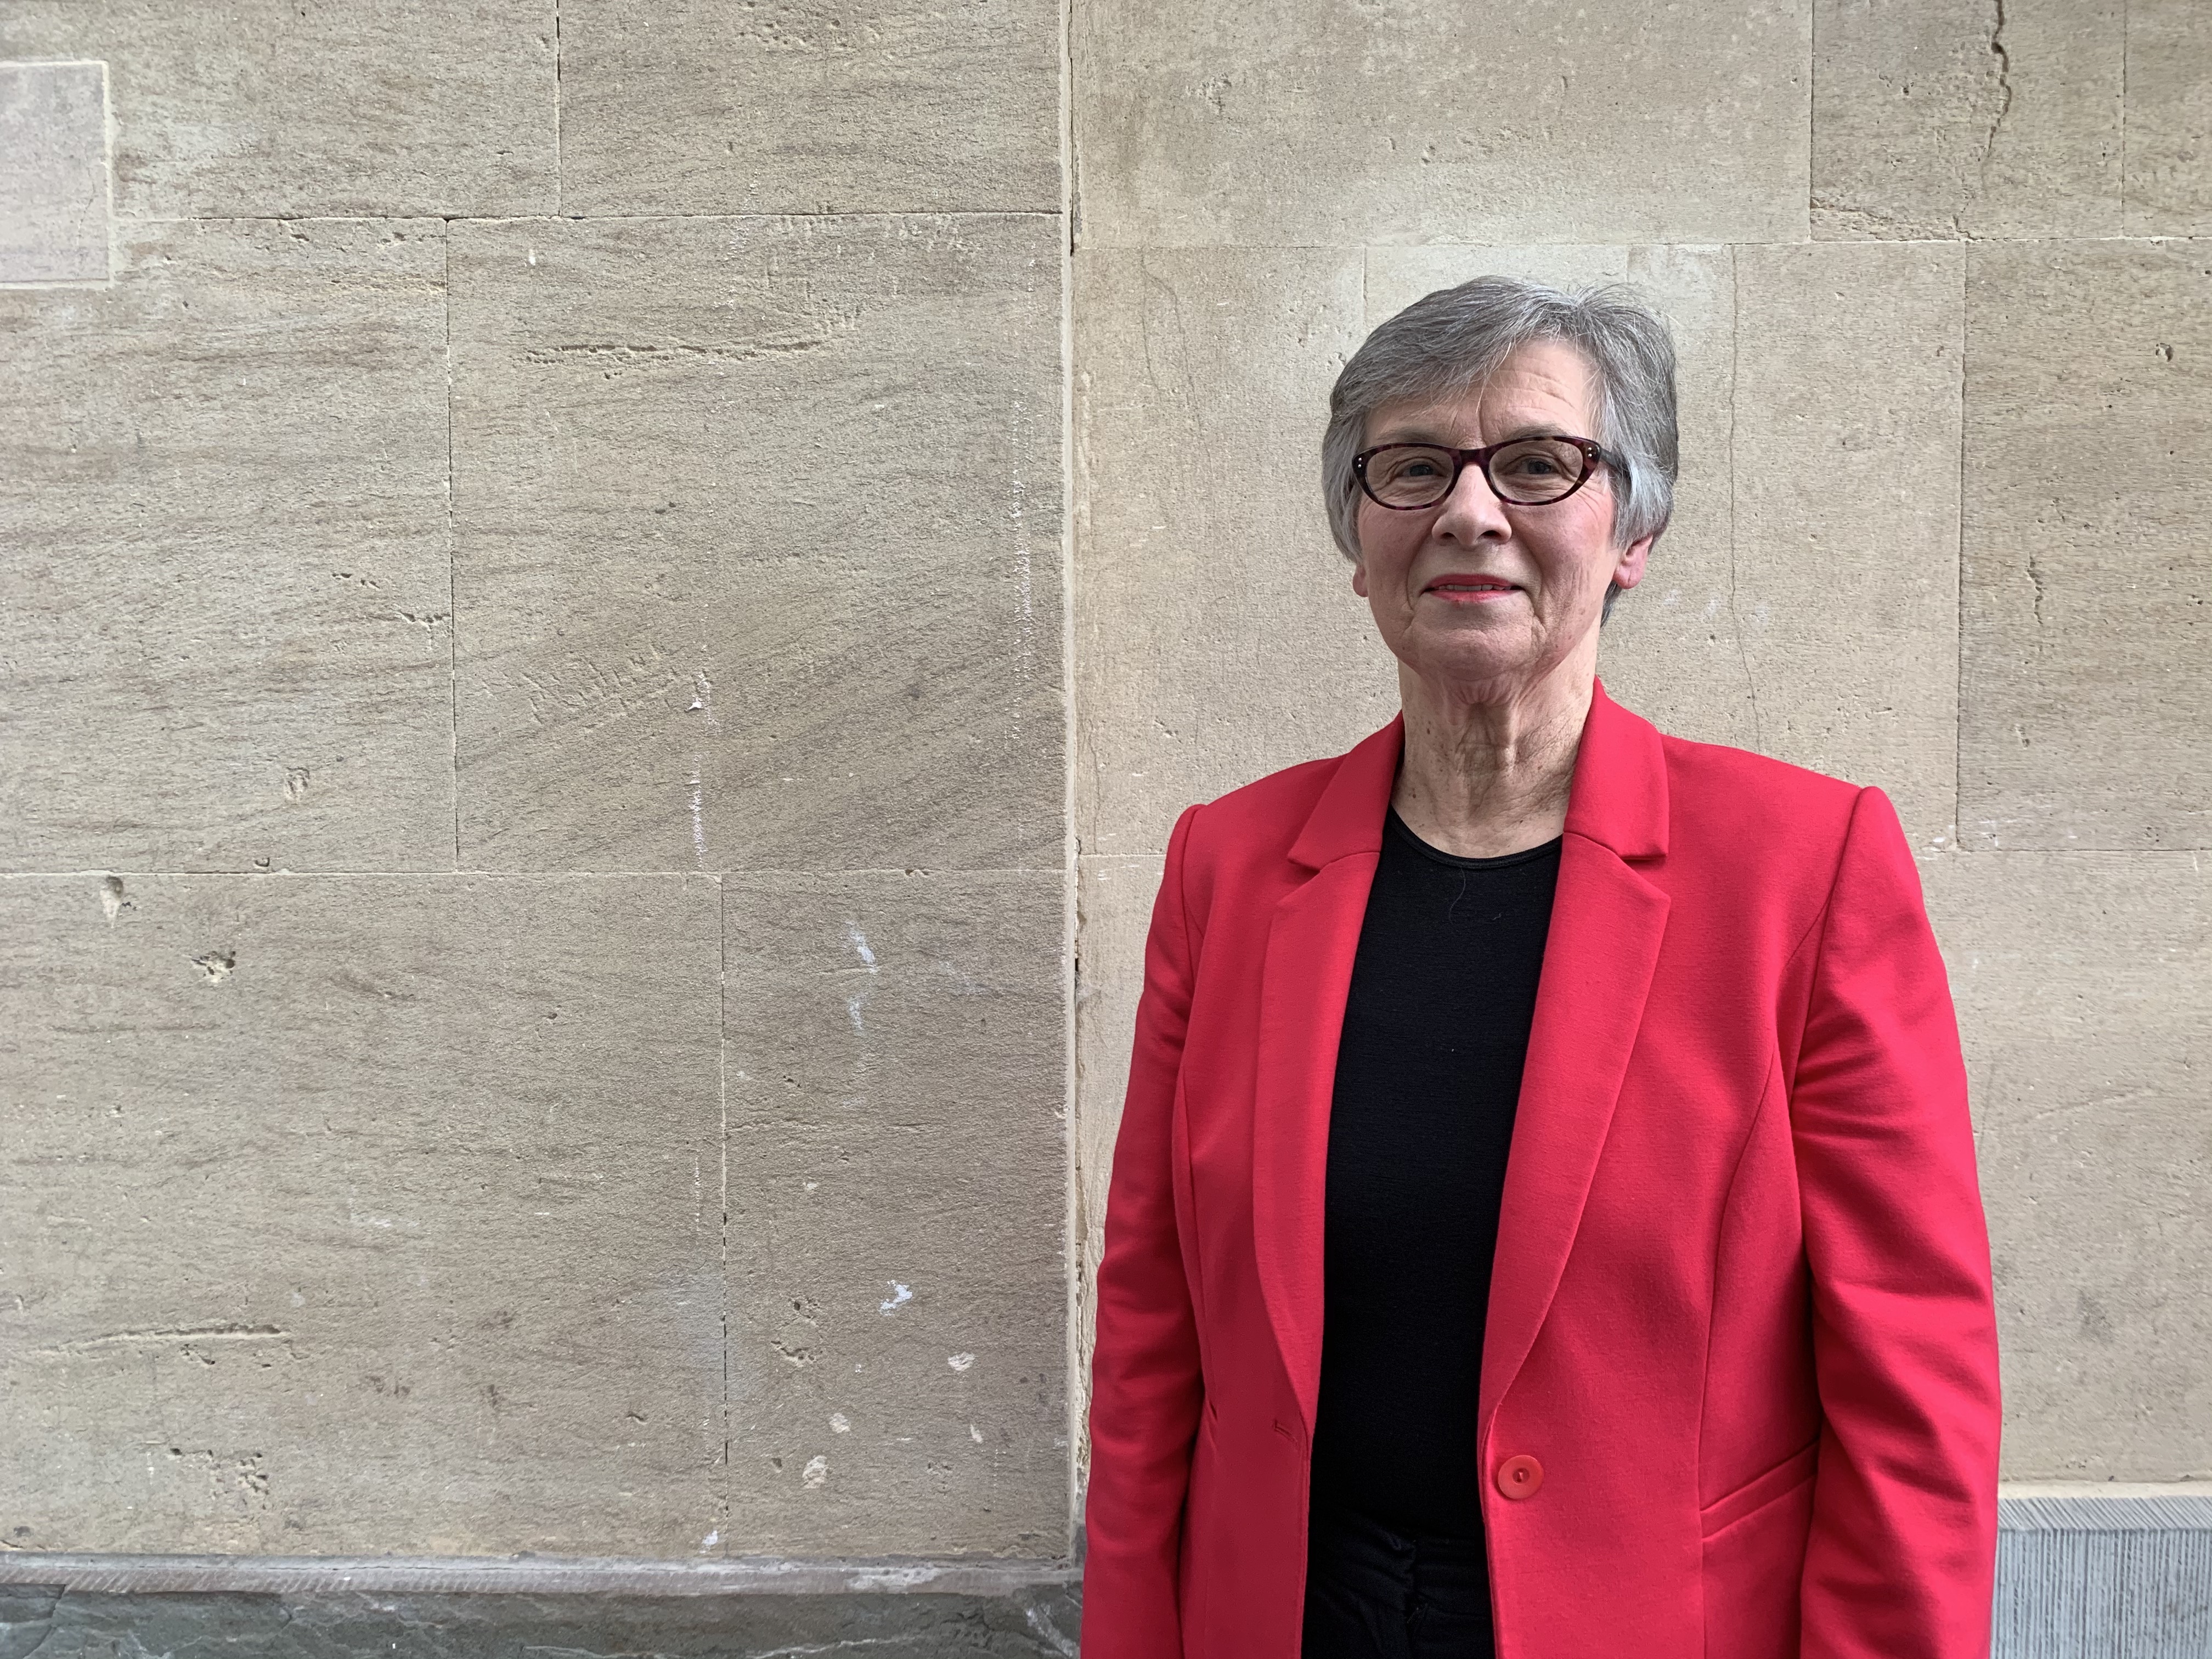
point(1544, 1221)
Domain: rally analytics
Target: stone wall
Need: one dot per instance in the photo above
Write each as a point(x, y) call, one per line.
point(608, 606)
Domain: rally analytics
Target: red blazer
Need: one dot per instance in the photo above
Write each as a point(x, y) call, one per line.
point(1738, 1389)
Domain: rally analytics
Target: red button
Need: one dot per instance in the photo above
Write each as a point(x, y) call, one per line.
point(1520, 1477)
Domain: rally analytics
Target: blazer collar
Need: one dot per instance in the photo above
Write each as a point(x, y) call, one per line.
point(1618, 797)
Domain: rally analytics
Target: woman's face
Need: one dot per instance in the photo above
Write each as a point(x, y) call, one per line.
point(1475, 593)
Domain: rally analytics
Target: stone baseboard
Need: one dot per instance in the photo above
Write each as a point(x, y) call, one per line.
point(2102, 1572)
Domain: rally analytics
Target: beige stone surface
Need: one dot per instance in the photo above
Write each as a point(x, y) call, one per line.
point(223, 555)
point(1674, 649)
point(1217, 636)
point(2082, 980)
point(2169, 136)
point(1114, 910)
point(897, 1201)
point(1846, 423)
point(1343, 122)
point(1968, 117)
point(53, 191)
point(2089, 489)
point(257, 107)
point(758, 542)
point(808, 107)
point(356, 1214)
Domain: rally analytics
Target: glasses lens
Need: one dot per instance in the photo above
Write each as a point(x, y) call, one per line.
point(1537, 470)
point(1410, 474)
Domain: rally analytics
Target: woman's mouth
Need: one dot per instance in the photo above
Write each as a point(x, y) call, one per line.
point(1470, 590)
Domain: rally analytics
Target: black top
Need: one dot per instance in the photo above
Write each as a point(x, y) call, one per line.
point(1436, 1029)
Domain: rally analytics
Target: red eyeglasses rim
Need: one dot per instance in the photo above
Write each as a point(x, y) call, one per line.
point(1593, 451)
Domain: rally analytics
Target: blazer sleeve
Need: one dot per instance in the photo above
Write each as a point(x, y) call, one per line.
point(1146, 1386)
point(1901, 1558)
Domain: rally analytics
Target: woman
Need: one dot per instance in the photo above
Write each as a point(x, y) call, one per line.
point(1544, 1221)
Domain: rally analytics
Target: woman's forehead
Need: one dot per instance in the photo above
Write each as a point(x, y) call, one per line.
point(1544, 386)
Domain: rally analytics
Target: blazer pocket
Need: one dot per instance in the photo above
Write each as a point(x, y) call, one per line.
point(1756, 1493)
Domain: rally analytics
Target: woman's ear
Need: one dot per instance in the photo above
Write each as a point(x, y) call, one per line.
point(1628, 570)
point(1359, 577)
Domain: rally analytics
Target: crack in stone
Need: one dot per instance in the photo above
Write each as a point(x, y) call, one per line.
point(2004, 88)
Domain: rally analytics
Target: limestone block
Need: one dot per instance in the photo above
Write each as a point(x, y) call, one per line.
point(2169, 148)
point(354, 1214)
point(897, 1211)
point(1672, 651)
point(1845, 439)
point(1968, 117)
point(225, 571)
point(1218, 636)
point(757, 543)
point(271, 107)
point(1114, 910)
point(53, 191)
point(2082, 980)
point(804, 107)
point(1341, 122)
point(2088, 486)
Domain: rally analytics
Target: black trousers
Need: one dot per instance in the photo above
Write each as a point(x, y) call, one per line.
point(1372, 1592)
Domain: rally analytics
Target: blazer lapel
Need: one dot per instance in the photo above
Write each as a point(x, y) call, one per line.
point(1608, 922)
point(1304, 981)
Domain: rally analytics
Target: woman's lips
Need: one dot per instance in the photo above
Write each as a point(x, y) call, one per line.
point(1470, 590)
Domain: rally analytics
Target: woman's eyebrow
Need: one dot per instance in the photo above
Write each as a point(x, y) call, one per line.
point(1425, 434)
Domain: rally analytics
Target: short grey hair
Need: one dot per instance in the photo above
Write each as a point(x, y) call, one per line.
point(1452, 340)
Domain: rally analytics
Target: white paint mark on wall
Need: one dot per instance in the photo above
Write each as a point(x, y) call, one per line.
point(960, 1361)
point(698, 813)
point(859, 941)
point(702, 696)
point(711, 1539)
point(840, 1424)
point(899, 1297)
point(1025, 628)
point(853, 1004)
point(816, 1472)
point(975, 1434)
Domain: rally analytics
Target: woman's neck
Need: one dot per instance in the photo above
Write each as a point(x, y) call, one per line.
point(1483, 773)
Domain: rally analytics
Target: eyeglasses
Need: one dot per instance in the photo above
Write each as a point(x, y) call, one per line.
point(1526, 471)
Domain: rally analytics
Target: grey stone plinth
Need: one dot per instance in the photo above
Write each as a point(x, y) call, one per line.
point(2083, 1576)
point(53, 172)
point(1029, 1623)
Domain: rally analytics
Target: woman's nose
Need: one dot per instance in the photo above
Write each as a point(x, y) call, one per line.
point(1473, 509)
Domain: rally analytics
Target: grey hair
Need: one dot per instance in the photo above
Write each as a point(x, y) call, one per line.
point(1452, 340)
